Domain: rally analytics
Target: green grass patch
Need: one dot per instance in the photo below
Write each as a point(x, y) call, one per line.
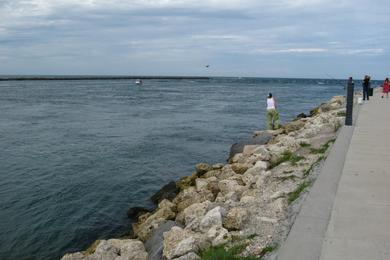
point(295, 194)
point(287, 156)
point(221, 253)
point(341, 113)
point(323, 148)
point(307, 172)
point(303, 144)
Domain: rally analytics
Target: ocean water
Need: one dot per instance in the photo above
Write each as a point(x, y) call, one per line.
point(75, 155)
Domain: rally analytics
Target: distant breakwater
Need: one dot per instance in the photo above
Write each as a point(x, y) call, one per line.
point(20, 78)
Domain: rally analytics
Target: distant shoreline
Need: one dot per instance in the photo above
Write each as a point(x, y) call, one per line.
point(18, 78)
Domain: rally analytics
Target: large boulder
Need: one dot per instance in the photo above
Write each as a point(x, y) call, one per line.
point(144, 229)
point(190, 196)
point(180, 242)
point(154, 245)
point(218, 235)
point(213, 173)
point(168, 191)
point(226, 186)
point(189, 256)
point(202, 168)
point(262, 153)
point(212, 218)
point(187, 181)
point(293, 126)
point(258, 139)
point(240, 168)
point(236, 218)
point(195, 212)
point(113, 249)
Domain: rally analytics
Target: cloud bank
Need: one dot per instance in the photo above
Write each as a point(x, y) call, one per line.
point(281, 38)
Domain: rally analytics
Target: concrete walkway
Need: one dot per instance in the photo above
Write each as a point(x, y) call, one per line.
point(348, 217)
point(359, 227)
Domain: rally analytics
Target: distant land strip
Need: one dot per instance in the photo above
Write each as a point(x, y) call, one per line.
point(11, 78)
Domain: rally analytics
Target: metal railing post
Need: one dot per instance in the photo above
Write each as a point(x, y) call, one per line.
point(348, 114)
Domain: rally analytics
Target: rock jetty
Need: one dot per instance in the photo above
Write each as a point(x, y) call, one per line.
point(245, 207)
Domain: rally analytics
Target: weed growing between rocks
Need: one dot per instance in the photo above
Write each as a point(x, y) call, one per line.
point(221, 253)
point(323, 148)
point(286, 157)
point(303, 144)
point(295, 194)
point(341, 113)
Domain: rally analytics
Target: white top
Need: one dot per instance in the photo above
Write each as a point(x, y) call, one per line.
point(270, 103)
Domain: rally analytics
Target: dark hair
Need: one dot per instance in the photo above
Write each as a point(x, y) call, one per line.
point(270, 95)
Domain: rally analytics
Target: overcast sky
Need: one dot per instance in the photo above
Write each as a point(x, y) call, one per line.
point(273, 38)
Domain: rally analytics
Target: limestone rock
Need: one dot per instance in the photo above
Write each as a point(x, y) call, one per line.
point(236, 218)
point(289, 142)
point(227, 172)
point(187, 181)
point(227, 186)
point(249, 149)
point(239, 168)
point(212, 218)
point(213, 185)
point(180, 242)
point(195, 211)
point(166, 211)
point(258, 169)
point(293, 126)
point(217, 166)
point(260, 138)
point(144, 230)
point(114, 249)
point(74, 256)
point(201, 184)
point(190, 196)
point(212, 173)
point(237, 158)
point(202, 168)
point(218, 235)
point(185, 246)
point(248, 179)
point(230, 196)
point(247, 200)
point(262, 153)
point(154, 245)
point(262, 179)
point(189, 256)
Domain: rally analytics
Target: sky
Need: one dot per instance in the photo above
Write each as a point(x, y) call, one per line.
point(273, 38)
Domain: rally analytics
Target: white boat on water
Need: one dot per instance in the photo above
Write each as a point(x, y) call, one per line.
point(138, 82)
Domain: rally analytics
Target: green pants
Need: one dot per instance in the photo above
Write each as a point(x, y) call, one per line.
point(272, 119)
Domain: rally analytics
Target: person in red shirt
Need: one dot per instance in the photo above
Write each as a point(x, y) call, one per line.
point(386, 88)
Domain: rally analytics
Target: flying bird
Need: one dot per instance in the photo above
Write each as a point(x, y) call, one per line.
point(207, 66)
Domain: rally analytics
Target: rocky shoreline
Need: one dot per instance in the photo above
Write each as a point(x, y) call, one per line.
point(243, 208)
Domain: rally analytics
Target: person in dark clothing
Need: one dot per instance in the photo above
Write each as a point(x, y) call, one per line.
point(366, 87)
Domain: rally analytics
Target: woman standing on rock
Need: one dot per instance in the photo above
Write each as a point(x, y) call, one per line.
point(386, 88)
point(272, 113)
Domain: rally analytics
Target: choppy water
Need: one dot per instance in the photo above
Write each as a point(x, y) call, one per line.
point(76, 154)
